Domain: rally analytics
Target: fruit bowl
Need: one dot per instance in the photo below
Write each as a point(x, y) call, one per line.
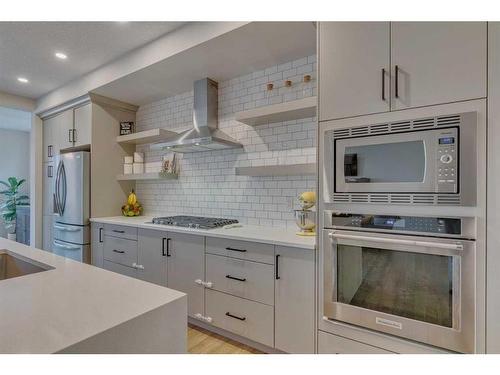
point(132, 207)
point(134, 210)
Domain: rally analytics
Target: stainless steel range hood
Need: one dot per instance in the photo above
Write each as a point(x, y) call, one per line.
point(205, 134)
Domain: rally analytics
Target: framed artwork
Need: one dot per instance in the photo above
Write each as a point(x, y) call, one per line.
point(126, 127)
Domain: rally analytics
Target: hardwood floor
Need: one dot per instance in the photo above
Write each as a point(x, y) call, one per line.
point(201, 341)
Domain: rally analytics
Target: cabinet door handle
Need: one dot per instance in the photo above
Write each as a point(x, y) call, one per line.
point(165, 250)
point(168, 247)
point(49, 151)
point(69, 135)
point(235, 278)
point(396, 81)
point(119, 251)
point(233, 249)
point(277, 268)
point(73, 133)
point(100, 234)
point(50, 171)
point(383, 84)
point(242, 318)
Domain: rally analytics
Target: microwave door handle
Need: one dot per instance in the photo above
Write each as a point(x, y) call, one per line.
point(439, 245)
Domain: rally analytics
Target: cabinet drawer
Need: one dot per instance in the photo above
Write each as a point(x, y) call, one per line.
point(258, 252)
point(242, 278)
point(249, 319)
point(120, 250)
point(120, 231)
point(118, 268)
point(333, 344)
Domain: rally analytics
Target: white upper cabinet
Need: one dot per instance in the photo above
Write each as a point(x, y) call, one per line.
point(354, 69)
point(425, 63)
point(437, 62)
point(70, 128)
point(48, 138)
point(62, 134)
point(83, 121)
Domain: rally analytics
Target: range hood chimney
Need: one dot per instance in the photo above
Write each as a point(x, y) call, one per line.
point(205, 135)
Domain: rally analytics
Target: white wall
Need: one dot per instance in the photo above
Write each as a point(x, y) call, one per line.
point(207, 184)
point(14, 158)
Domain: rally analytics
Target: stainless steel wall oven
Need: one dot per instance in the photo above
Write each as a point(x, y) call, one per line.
point(412, 277)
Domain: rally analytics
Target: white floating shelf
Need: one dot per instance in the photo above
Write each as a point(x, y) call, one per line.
point(278, 170)
point(146, 136)
point(147, 176)
point(287, 111)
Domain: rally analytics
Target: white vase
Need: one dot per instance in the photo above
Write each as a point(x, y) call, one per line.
point(11, 236)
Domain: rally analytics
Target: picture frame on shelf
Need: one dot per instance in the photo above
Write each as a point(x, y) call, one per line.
point(126, 127)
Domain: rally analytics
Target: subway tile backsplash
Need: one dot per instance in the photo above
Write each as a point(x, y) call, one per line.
point(207, 184)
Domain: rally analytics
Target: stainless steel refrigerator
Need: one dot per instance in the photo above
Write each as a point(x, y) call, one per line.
point(72, 206)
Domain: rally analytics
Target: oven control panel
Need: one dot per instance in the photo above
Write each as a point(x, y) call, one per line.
point(447, 160)
point(437, 225)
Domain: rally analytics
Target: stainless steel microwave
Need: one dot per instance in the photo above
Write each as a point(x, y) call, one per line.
point(411, 161)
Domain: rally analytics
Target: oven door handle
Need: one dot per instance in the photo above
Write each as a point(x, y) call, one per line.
point(438, 245)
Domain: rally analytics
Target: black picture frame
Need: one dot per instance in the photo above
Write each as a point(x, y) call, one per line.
point(126, 127)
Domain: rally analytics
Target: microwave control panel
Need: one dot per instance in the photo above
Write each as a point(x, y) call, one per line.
point(447, 160)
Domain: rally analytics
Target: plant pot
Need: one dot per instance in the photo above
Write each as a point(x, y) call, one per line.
point(11, 236)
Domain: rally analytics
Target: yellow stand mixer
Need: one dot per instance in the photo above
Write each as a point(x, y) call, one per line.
point(305, 218)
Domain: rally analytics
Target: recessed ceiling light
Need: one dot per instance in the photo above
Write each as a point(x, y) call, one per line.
point(61, 55)
point(22, 79)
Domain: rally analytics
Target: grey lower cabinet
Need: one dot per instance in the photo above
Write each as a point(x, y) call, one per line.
point(294, 300)
point(97, 247)
point(259, 291)
point(185, 265)
point(152, 253)
point(333, 344)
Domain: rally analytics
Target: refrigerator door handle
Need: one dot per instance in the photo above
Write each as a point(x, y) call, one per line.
point(56, 190)
point(62, 199)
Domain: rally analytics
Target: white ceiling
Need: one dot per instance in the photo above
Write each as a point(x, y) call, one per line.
point(27, 50)
point(247, 49)
point(14, 119)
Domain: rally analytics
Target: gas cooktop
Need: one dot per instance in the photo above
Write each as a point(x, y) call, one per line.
point(197, 222)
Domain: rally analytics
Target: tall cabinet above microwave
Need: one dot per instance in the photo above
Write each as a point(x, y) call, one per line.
point(424, 160)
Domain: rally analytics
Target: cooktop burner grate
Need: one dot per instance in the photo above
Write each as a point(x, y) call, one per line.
point(197, 222)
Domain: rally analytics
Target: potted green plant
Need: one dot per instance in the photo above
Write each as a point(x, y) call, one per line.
point(8, 207)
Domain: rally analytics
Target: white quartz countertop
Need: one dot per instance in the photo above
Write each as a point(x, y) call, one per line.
point(48, 311)
point(270, 235)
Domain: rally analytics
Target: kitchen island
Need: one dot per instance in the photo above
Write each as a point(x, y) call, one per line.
point(70, 307)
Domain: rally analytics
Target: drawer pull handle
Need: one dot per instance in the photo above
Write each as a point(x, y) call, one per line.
point(118, 231)
point(242, 318)
point(235, 278)
point(233, 249)
point(118, 251)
